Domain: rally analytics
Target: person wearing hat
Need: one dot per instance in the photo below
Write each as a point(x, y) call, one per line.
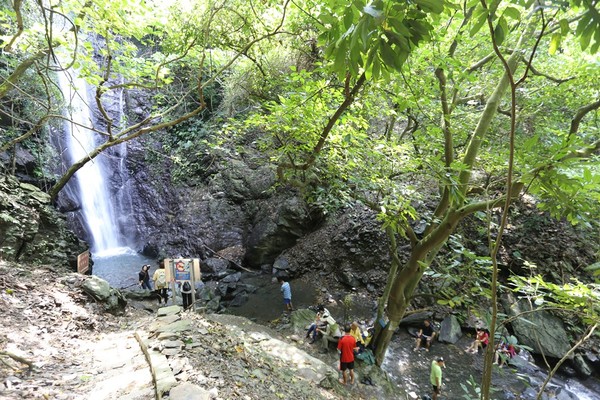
point(144, 277)
point(436, 376)
point(322, 314)
point(331, 333)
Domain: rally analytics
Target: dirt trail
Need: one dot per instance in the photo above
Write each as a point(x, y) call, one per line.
point(76, 351)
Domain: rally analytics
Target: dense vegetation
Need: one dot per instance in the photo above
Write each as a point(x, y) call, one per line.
point(461, 106)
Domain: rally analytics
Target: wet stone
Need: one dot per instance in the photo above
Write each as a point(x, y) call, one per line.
point(170, 310)
point(169, 319)
point(169, 344)
point(178, 326)
point(170, 352)
point(167, 336)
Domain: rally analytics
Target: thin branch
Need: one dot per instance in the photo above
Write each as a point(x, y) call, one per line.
point(17, 7)
point(349, 98)
point(98, 96)
point(481, 62)
point(582, 112)
point(537, 72)
point(589, 332)
point(27, 134)
point(18, 358)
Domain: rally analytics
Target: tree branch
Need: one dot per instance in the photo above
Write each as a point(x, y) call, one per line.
point(582, 112)
point(17, 7)
point(536, 72)
point(349, 98)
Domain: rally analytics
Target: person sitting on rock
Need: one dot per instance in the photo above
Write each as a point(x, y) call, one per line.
point(356, 333)
point(504, 352)
point(322, 314)
point(426, 334)
point(331, 333)
point(481, 341)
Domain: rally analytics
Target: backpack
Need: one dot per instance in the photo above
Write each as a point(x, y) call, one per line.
point(186, 287)
point(161, 280)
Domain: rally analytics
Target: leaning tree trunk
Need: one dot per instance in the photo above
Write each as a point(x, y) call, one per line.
point(403, 287)
point(407, 279)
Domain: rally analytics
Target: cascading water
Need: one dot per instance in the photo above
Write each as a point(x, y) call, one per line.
point(93, 192)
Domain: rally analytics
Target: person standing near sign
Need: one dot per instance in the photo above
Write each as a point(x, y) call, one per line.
point(160, 282)
point(186, 294)
point(144, 277)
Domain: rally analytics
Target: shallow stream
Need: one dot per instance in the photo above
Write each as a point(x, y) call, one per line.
point(407, 369)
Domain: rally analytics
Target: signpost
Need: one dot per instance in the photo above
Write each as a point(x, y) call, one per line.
point(181, 270)
point(83, 262)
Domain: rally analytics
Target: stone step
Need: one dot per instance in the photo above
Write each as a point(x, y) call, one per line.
point(119, 370)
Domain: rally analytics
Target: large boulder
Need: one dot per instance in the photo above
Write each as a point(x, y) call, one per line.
point(543, 332)
point(416, 319)
point(32, 231)
point(450, 331)
point(581, 366)
point(301, 320)
point(111, 299)
point(276, 227)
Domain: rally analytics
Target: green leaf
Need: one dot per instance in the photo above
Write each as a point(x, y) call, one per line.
point(480, 20)
point(585, 39)
point(512, 12)
point(583, 23)
point(387, 55)
point(564, 27)
point(499, 34)
point(554, 43)
point(348, 17)
point(435, 6)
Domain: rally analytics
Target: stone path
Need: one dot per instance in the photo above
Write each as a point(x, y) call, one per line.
point(119, 370)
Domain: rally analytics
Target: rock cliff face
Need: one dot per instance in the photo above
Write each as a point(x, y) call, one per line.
point(235, 203)
point(31, 230)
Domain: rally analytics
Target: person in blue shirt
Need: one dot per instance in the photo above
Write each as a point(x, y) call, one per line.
point(287, 293)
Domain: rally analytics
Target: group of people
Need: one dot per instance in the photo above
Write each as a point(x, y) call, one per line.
point(160, 282)
point(349, 344)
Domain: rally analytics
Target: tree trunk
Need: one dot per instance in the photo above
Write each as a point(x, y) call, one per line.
point(400, 295)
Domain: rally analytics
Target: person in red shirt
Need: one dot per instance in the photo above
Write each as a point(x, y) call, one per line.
point(346, 346)
point(481, 341)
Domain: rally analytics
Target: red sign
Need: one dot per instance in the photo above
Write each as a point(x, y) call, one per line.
point(83, 262)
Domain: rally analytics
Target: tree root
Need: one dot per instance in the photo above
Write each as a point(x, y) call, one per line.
point(18, 358)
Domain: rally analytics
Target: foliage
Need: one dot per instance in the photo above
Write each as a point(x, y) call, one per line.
point(374, 37)
point(576, 298)
point(463, 279)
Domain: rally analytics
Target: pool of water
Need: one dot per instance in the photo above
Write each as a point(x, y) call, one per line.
point(120, 266)
point(266, 303)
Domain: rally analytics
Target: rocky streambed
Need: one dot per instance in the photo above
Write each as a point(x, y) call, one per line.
point(58, 342)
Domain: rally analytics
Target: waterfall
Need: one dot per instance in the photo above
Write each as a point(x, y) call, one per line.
point(92, 188)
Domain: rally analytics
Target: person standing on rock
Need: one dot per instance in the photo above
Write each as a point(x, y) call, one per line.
point(436, 376)
point(346, 346)
point(160, 282)
point(144, 277)
point(186, 294)
point(287, 293)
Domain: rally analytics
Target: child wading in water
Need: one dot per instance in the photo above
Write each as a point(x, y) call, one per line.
point(287, 293)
